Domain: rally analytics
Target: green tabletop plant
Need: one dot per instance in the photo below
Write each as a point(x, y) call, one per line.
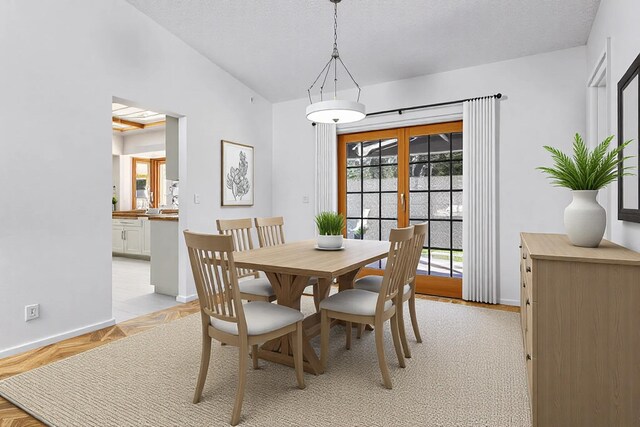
point(330, 226)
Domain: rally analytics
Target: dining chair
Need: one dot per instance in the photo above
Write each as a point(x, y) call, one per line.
point(226, 319)
point(364, 307)
point(271, 233)
point(374, 284)
point(255, 289)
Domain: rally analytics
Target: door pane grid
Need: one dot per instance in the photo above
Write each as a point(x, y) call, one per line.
point(443, 255)
point(422, 166)
point(375, 163)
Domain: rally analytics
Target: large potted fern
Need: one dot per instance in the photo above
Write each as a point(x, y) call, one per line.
point(330, 226)
point(585, 174)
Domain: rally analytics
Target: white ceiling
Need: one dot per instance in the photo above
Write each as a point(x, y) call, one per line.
point(278, 47)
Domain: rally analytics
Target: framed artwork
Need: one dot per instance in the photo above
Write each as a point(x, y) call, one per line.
point(237, 174)
point(629, 128)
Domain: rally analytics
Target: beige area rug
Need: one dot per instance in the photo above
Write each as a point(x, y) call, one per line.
point(469, 371)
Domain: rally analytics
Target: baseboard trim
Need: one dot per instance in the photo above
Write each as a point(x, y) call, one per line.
point(11, 351)
point(510, 302)
point(186, 298)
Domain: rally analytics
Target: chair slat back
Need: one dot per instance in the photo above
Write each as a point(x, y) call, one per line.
point(240, 230)
point(419, 236)
point(398, 263)
point(270, 231)
point(215, 275)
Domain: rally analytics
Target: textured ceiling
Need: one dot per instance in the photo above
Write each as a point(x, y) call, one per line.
point(277, 47)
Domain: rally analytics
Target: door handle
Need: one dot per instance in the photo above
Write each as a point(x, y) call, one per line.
point(124, 235)
point(402, 201)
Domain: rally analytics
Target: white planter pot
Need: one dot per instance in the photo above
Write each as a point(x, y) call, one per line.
point(584, 219)
point(330, 242)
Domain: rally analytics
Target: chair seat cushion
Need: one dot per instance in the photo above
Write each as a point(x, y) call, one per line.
point(353, 301)
point(260, 286)
point(374, 284)
point(262, 317)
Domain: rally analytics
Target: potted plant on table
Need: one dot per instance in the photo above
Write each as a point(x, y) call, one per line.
point(330, 226)
point(585, 174)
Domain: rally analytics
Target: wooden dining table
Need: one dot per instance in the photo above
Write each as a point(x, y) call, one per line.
point(289, 268)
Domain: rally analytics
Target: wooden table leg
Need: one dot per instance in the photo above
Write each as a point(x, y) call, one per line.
point(346, 280)
point(288, 289)
point(322, 291)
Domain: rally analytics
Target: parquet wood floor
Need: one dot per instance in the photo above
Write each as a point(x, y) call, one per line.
point(12, 416)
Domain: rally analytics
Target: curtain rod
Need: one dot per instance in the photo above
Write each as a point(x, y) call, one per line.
point(439, 104)
point(419, 107)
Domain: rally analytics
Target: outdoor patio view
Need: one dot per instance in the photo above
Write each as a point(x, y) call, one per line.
point(435, 195)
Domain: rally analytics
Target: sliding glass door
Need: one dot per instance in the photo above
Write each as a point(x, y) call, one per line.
point(396, 177)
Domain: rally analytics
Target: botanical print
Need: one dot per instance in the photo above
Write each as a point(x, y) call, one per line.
point(237, 180)
point(237, 174)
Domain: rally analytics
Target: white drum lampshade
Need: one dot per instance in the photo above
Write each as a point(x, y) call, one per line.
point(335, 111)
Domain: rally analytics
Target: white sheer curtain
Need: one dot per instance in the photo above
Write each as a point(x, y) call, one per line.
point(479, 230)
point(326, 168)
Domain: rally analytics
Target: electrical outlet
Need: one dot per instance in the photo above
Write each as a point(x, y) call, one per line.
point(196, 199)
point(305, 199)
point(31, 312)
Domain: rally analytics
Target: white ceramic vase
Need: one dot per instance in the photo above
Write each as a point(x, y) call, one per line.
point(584, 219)
point(330, 242)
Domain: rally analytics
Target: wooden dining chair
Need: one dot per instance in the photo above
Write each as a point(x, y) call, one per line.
point(374, 284)
point(271, 233)
point(226, 319)
point(364, 307)
point(255, 289)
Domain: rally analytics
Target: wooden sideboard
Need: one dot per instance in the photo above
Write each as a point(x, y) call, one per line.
point(580, 310)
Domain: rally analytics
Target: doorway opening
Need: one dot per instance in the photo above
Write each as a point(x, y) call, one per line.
point(145, 210)
point(398, 177)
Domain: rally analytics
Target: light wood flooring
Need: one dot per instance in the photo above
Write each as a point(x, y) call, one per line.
point(11, 416)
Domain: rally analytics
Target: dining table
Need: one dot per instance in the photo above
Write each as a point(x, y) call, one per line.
point(290, 266)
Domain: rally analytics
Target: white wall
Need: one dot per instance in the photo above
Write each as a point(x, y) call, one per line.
point(544, 103)
point(88, 52)
point(117, 148)
point(145, 141)
point(617, 19)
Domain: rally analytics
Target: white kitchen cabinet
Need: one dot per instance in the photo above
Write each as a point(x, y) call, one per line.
point(133, 240)
point(128, 237)
point(117, 241)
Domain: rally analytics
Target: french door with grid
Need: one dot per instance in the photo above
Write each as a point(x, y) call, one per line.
point(397, 177)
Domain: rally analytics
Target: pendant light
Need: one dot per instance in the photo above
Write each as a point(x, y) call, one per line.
point(334, 110)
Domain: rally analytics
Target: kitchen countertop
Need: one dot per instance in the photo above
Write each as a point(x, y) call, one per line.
point(163, 217)
point(166, 215)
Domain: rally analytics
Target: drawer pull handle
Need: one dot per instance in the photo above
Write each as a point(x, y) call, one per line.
point(519, 246)
point(528, 269)
point(524, 256)
point(528, 303)
point(528, 357)
point(524, 284)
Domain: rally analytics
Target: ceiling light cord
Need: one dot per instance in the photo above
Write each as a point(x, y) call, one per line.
point(334, 111)
point(335, 57)
point(335, 53)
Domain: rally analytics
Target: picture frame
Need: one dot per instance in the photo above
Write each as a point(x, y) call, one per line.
point(236, 180)
point(629, 129)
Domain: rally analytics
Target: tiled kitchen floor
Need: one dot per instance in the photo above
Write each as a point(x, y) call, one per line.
point(132, 295)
